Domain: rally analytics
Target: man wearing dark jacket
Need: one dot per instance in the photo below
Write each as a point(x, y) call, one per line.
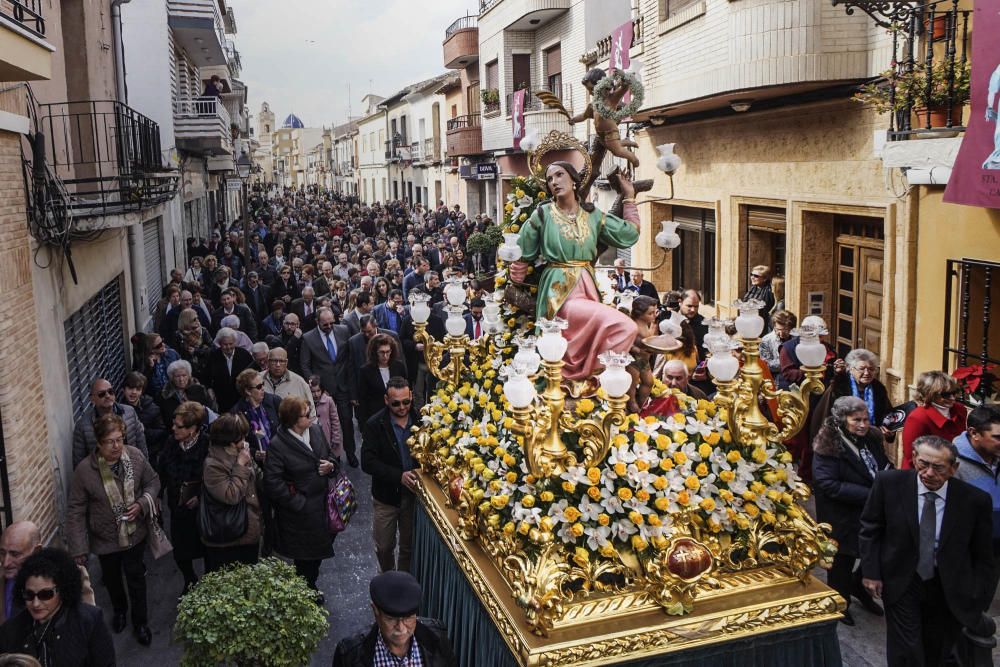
point(926, 550)
point(386, 457)
point(398, 636)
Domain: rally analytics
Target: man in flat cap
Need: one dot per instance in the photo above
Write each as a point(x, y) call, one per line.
point(398, 638)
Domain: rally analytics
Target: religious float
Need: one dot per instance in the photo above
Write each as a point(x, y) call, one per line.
point(555, 527)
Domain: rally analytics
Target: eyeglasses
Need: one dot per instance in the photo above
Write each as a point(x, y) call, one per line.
point(755, 275)
point(405, 401)
point(160, 345)
point(44, 595)
point(949, 394)
point(940, 468)
point(104, 393)
point(259, 386)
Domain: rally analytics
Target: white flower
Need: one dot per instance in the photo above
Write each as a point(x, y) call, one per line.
point(589, 510)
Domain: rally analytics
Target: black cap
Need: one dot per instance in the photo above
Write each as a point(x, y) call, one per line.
point(395, 593)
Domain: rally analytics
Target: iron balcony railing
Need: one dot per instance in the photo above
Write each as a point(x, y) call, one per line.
point(969, 340)
point(106, 155)
point(531, 103)
point(463, 122)
point(486, 5)
point(461, 24)
point(26, 14)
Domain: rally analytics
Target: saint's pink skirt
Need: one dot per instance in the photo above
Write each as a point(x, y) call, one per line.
point(594, 328)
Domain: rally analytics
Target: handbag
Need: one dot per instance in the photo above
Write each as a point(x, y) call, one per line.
point(220, 523)
point(159, 545)
point(341, 502)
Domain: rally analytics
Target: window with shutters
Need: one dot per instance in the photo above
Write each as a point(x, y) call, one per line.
point(671, 8)
point(95, 344)
point(493, 75)
point(553, 70)
point(694, 260)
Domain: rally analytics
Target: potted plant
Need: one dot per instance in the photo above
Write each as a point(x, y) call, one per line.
point(250, 616)
point(912, 92)
point(976, 381)
point(491, 99)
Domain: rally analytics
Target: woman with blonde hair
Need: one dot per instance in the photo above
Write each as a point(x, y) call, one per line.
point(938, 412)
point(760, 289)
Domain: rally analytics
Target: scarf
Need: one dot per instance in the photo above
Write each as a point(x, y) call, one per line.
point(863, 452)
point(119, 504)
point(869, 397)
point(261, 425)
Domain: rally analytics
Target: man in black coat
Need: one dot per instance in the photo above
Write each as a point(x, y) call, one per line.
point(248, 323)
point(325, 352)
point(258, 296)
point(386, 457)
point(397, 633)
point(642, 287)
point(926, 550)
point(224, 363)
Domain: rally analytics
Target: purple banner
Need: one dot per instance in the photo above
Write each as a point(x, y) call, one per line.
point(517, 117)
point(975, 178)
point(621, 41)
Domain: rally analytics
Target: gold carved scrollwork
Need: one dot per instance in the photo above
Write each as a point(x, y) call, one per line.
point(538, 580)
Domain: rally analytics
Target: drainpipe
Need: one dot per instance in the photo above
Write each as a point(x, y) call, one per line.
point(136, 258)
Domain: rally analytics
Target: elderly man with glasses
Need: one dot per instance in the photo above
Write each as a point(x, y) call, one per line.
point(282, 382)
point(102, 402)
point(386, 457)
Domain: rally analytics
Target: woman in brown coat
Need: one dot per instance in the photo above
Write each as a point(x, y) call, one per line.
point(229, 479)
point(110, 497)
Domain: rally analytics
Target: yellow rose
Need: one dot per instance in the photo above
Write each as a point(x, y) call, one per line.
point(636, 518)
point(704, 450)
point(523, 217)
point(751, 509)
point(541, 195)
point(594, 475)
point(508, 460)
point(680, 458)
point(523, 528)
point(568, 487)
point(500, 501)
point(661, 503)
point(660, 542)
point(545, 523)
point(572, 514)
point(683, 498)
point(726, 495)
point(511, 477)
point(700, 415)
point(701, 470)
point(749, 495)
point(727, 476)
point(734, 456)
point(642, 465)
point(662, 441)
point(707, 504)
point(653, 520)
point(757, 487)
point(786, 457)
point(515, 228)
point(519, 193)
point(768, 517)
point(640, 438)
point(643, 495)
point(488, 474)
point(603, 519)
point(546, 496)
point(528, 501)
point(508, 207)
point(770, 478)
point(625, 493)
point(639, 544)
point(594, 492)
point(692, 483)
point(713, 438)
point(509, 528)
point(667, 464)
point(620, 469)
point(727, 437)
point(576, 530)
point(584, 407)
point(608, 550)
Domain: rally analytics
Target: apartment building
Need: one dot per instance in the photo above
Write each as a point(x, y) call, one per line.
point(344, 158)
point(372, 173)
point(86, 187)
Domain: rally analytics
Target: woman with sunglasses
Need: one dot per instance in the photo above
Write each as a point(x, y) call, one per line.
point(297, 472)
point(760, 289)
point(938, 412)
point(181, 464)
point(56, 627)
point(110, 498)
point(285, 287)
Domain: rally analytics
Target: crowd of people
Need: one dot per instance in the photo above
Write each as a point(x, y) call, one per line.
point(273, 353)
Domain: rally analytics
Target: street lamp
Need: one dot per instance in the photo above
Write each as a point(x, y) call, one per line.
point(243, 168)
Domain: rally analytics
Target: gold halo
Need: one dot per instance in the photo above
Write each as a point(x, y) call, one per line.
point(559, 141)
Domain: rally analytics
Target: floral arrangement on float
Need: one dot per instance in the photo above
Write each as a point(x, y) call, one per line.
point(584, 508)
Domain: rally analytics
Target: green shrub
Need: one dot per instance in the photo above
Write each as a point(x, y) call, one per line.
point(262, 616)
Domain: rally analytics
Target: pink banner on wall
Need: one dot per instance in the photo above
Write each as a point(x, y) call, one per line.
point(975, 178)
point(621, 41)
point(517, 117)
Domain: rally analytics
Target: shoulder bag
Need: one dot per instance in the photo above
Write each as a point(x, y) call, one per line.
point(341, 503)
point(159, 545)
point(220, 523)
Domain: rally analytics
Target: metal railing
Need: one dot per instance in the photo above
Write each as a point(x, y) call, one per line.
point(203, 107)
point(432, 149)
point(463, 23)
point(971, 283)
point(604, 45)
point(531, 103)
point(486, 5)
point(26, 14)
point(464, 122)
point(107, 156)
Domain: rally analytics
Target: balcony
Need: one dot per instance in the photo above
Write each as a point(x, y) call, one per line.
point(202, 126)
point(603, 51)
point(465, 136)
point(101, 157)
point(24, 53)
point(197, 26)
point(233, 59)
point(525, 14)
point(461, 43)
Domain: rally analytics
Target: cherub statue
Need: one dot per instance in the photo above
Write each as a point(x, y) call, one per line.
point(607, 129)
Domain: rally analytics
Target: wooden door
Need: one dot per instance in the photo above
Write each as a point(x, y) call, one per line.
point(859, 284)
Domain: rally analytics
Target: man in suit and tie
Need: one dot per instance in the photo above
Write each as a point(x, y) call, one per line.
point(475, 327)
point(225, 362)
point(248, 323)
point(305, 308)
point(926, 550)
point(258, 296)
point(325, 353)
point(620, 277)
point(362, 306)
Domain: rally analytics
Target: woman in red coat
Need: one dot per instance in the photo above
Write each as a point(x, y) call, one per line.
point(938, 412)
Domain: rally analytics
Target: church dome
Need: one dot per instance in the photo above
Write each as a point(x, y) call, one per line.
point(293, 121)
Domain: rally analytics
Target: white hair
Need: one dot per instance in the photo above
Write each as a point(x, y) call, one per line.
point(230, 321)
point(259, 346)
point(225, 332)
point(675, 365)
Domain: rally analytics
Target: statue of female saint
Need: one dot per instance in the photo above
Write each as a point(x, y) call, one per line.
point(565, 233)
